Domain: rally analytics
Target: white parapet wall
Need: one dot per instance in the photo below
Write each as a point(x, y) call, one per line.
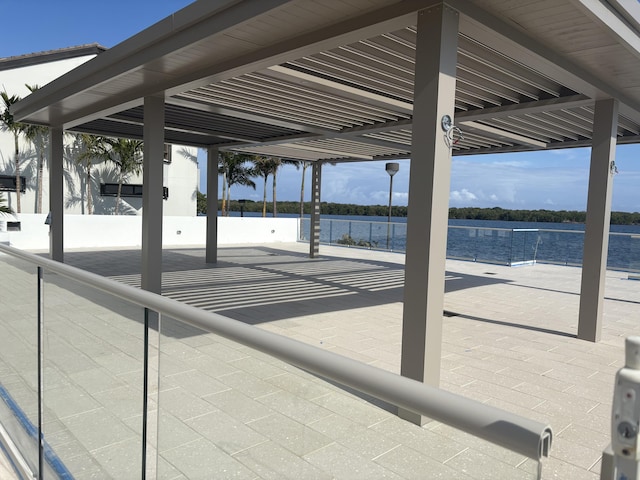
point(100, 231)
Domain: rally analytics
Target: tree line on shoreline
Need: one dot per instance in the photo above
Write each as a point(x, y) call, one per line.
point(466, 213)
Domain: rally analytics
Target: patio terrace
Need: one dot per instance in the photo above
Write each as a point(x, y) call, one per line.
point(509, 341)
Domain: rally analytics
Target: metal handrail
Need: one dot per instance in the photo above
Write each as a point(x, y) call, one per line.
point(513, 432)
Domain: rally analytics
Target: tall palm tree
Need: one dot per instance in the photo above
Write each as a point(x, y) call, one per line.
point(126, 154)
point(8, 124)
point(91, 149)
point(223, 161)
point(235, 171)
point(278, 163)
point(264, 167)
point(305, 165)
point(39, 137)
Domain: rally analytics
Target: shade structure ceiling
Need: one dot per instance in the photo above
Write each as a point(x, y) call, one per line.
point(333, 79)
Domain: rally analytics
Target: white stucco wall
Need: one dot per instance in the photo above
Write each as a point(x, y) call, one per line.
point(181, 176)
point(100, 231)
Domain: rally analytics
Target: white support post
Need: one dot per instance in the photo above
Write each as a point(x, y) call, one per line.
point(56, 194)
point(152, 167)
point(430, 171)
point(212, 206)
point(314, 224)
point(596, 239)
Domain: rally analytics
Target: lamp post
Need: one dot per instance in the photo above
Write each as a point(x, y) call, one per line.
point(391, 168)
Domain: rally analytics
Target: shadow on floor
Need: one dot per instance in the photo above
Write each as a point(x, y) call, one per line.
point(261, 284)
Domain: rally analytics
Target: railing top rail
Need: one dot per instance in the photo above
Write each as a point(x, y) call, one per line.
point(514, 432)
point(381, 222)
point(470, 227)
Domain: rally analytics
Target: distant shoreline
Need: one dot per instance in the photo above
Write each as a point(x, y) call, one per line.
point(466, 213)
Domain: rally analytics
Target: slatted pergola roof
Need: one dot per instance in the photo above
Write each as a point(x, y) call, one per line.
point(333, 79)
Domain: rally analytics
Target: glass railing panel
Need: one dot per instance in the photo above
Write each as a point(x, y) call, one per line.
point(93, 381)
point(563, 247)
point(305, 225)
point(524, 244)
point(462, 243)
point(398, 237)
point(484, 460)
point(624, 252)
point(339, 232)
point(634, 255)
point(493, 245)
point(19, 356)
point(228, 411)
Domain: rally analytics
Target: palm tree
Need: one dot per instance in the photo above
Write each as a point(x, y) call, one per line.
point(8, 124)
point(223, 160)
point(264, 167)
point(90, 148)
point(278, 163)
point(305, 165)
point(39, 137)
point(126, 154)
point(235, 171)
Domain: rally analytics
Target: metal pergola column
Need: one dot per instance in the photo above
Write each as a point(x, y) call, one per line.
point(434, 93)
point(314, 226)
point(56, 194)
point(212, 205)
point(596, 239)
point(152, 169)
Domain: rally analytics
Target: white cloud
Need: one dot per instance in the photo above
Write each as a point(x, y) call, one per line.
point(401, 197)
point(463, 195)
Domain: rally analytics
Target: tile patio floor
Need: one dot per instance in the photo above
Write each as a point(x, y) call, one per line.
point(509, 340)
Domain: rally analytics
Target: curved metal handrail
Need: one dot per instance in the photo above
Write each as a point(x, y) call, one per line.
point(514, 432)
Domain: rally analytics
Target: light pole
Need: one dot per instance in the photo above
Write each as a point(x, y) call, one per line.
point(391, 168)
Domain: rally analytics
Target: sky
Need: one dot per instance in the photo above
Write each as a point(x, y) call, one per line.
point(553, 180)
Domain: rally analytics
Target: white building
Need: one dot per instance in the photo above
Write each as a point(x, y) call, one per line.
point(38, 69)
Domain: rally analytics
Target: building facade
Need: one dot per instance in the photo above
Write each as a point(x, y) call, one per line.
point(180, 170)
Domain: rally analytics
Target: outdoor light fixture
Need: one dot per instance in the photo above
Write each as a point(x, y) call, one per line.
point(391, 168)
point(613, 168)
point(450, 130)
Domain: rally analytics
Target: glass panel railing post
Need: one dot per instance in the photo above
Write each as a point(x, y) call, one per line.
point(511, 248)
point(40, 329)
point(330, 231)
point(475, 246)
point(393, 237)
point(145, 393)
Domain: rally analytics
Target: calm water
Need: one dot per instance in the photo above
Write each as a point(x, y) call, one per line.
point(488, 241)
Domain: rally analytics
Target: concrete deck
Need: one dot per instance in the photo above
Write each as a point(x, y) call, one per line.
point(509, 340)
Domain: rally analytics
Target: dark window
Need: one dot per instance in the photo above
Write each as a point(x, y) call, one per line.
point(128, 190)
point(8, 183)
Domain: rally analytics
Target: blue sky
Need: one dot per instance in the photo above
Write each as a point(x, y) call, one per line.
point(554, 180)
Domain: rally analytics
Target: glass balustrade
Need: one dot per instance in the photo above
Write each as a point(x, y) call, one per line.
point(518, 246)
point(121, 391)
point(226, 410)
point(93, 377)
point(19, 405)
